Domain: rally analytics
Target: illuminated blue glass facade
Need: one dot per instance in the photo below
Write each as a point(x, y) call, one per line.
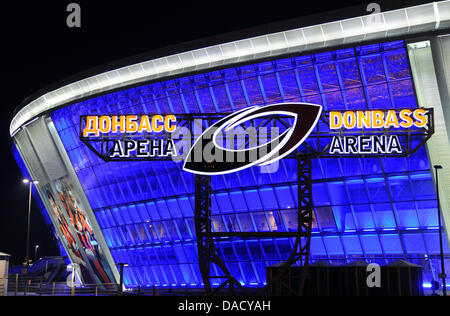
point(379, 210)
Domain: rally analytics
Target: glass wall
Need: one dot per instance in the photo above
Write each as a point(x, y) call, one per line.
point(378, 210)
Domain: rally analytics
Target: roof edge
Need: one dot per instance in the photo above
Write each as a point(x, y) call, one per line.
point(401, 22)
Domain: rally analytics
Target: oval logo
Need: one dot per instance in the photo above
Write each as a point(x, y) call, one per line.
point(208, 157)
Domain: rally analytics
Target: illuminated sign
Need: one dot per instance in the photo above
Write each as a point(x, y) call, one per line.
point(226, 160)
point(378, 119)
point(373, 120)
point(134, 124)
point(212, 144)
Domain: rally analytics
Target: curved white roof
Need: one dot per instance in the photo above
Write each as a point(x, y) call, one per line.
point(418, 19)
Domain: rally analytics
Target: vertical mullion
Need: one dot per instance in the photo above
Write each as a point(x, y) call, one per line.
point(230, 99)
point(213, 97)
point(183, 100)
point(280, 86)
point(198, 99)
point(386, 75)
point(261, 87)
point(353, 214)
point(244, 90)
point(299, 84)
point(168, 100)
point(319, 84)
point(374, 221)
point(342, 89)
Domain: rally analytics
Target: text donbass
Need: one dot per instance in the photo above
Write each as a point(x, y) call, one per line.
point(96, 125)
point(406, 118)
point(142, 128)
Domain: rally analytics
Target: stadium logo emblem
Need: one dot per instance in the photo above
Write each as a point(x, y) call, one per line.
point(227, 160)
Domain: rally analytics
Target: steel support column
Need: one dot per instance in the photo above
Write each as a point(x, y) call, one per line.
point(305, 217)
point(207, 252)
point(301, 249)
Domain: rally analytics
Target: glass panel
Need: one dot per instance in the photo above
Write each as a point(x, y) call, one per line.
point(260, 221)
point(384, 216)
point(406, 215)
point(371, 244)
point(414, 243)
point(246, 222)
point(391, 244)
point(252, 199)
point(400, 188)
point(326, 218)
point(223, 202)
point(238, 201)
point(344, 218)
point(284, 197)
point(356, 191)
point(268, 199)
point(363, 215)
point(317, 247)
point(333, 245)
point(427, 212)
point(337, 193)
point(352, 245)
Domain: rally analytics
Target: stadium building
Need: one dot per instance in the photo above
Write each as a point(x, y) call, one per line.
point(141, 212)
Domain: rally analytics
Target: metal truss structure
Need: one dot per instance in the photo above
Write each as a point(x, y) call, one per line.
point(207, 251)
point(205, 237)
point(211, 265)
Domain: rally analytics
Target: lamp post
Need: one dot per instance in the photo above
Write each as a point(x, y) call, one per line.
point(442, 275)
point(36, 248)
point(30, 183)
point(121, 265)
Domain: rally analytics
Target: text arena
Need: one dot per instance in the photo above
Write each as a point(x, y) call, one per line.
point(371, 120)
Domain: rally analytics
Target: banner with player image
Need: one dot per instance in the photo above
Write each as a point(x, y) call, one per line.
point(72, 223)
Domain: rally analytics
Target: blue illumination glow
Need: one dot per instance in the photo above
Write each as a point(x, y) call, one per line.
point(427, 285)
point(145, 209)
point(41, 206)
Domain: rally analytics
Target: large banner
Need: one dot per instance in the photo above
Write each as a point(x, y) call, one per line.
point(76, 232)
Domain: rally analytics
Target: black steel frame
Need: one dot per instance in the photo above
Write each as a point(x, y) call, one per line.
point(207, 253)
point(205, 237)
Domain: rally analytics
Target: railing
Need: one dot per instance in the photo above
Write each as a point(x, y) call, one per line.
point(20, 285)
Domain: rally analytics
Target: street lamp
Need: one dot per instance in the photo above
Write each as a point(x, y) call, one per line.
point(121, 265)
point(442, 275)
point(36, 248)
point(30, 183)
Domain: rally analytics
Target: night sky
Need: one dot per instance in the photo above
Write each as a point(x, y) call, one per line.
point(38, 49)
